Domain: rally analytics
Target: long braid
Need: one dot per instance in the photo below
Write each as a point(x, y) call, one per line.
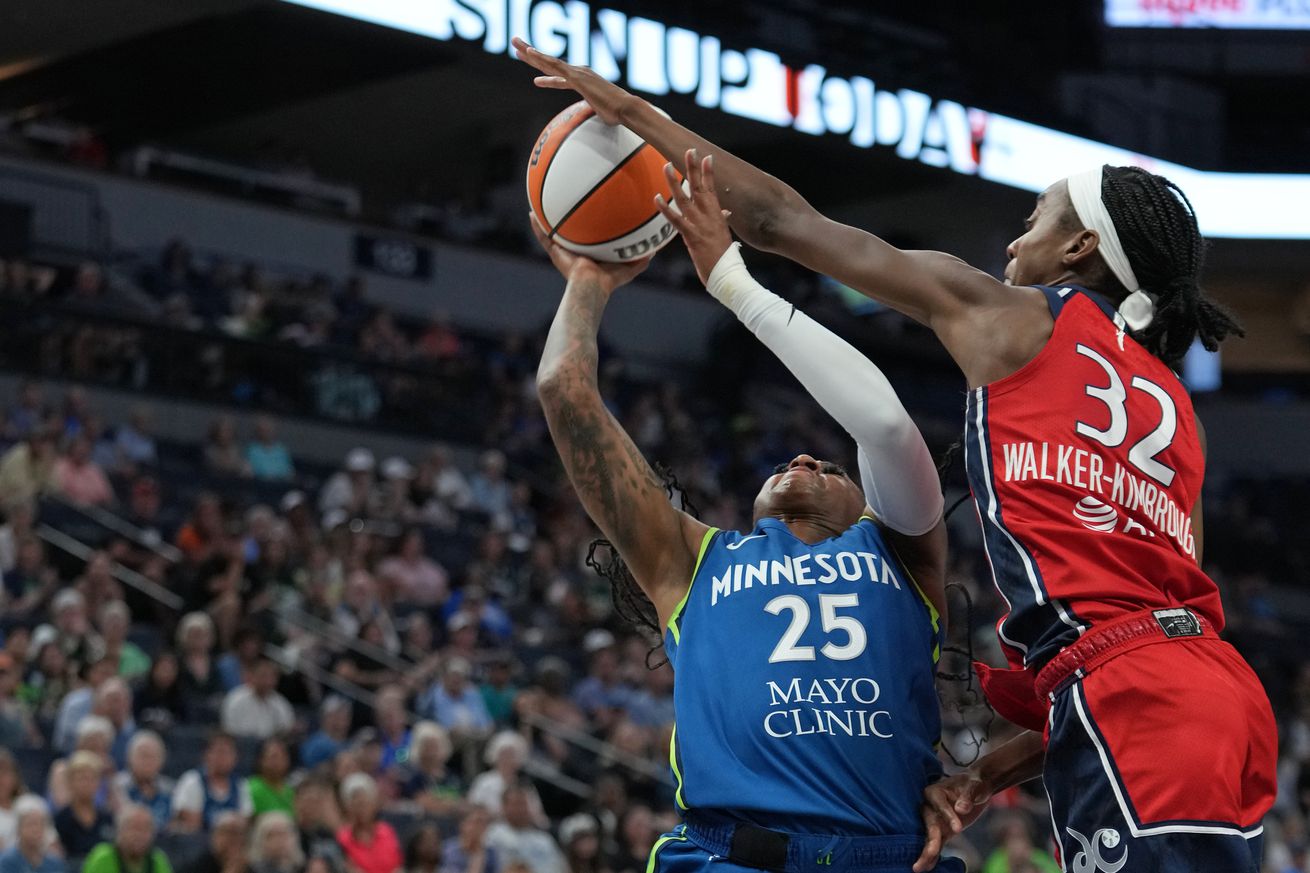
point(1157, 226)
point(630, 602)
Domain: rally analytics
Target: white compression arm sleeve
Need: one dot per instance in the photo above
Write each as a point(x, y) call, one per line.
point(896, 469)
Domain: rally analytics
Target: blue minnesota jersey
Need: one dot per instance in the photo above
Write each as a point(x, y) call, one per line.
point(804, 687)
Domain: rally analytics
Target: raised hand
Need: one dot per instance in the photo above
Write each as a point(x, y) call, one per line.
point(569, 264)
point(606, 98)
point(696, 214)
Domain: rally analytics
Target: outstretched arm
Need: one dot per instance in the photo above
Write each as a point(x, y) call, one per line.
point(936, 289)
point(620, 491)
point(896, 469)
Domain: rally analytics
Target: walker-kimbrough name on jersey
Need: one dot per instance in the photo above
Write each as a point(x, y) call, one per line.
point(838, 707)
point(1079, 468)
point(814, 569)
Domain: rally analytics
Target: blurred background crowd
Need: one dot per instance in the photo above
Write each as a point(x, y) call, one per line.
point(291, 578)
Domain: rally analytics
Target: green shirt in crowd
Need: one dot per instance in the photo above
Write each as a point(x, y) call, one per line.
point(104, 858)
point(266, 798)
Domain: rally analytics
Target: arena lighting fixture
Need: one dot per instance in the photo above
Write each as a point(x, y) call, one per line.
point(653, 58)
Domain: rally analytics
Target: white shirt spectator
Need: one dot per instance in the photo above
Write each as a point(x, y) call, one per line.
point(247, 714)
point(536, 848)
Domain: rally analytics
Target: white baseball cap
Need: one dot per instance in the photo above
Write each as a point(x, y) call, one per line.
point(360, 460)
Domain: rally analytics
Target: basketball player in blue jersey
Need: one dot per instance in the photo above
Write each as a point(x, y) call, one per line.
point(804, 650)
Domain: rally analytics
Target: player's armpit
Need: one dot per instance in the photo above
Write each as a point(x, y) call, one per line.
point(618, 488)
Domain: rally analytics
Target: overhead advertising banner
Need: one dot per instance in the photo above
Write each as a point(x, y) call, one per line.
point(655, 59)
point(1235, 14)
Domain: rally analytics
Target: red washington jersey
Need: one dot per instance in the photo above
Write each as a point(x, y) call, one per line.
point(1085, 465)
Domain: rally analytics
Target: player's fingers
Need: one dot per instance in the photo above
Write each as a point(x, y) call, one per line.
point(538, 231)
point(932, 847)
point(540, 60)
point(669, 211)
point(706, 175)
point(675, 184)
point(943, 808)
point(556, 82)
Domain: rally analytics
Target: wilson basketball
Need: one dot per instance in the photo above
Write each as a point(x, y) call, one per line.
point(592, 186)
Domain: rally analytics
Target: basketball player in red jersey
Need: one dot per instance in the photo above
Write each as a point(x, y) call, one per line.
point(1155, 739)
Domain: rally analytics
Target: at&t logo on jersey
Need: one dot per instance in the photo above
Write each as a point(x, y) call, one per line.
point(1096, 515)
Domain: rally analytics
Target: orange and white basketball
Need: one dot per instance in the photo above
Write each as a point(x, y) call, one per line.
point(592, 186)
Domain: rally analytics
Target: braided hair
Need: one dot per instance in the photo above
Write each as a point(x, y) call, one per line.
point(1160, 236)
point(631, 603)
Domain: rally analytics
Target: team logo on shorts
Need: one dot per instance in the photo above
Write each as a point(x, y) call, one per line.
point(1090, 859)
point(1096, 515)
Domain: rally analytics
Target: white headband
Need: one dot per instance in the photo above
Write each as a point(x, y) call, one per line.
point(1085, 192)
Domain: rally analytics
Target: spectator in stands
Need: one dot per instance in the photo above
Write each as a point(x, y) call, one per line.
point(382, 340)
point(133, 849)
point(349, 490)
point(266, 455)
point(32, 582)
point(212, 788)
point(506, 754)
point(333, 730)
point(517, 835)
point(439, 488)
point(157, 697)
point(275, 845)
point(79, 703)
point(488, 488)
point(202, 535)
point(269, 791)
point(75, 413)
point(143, 782)
point(370, 845)
point(455, 704)
point(302, 531)
point(223, 454)
point(71, 630)
point(424, 778)
point(27, 470)
point(579, 836)
point(200, 680)
point(244, 652)
point(227, 846)
point(498, 689)
point(17, 729)
point(470, 852)
point(602, 695)
point(255, 708)
point(439, 341)
point(20, 520)
point(390, 718)
point(11, 789)
point(47, 681)
point(98, 586)
point(94, 734)
point(113, 701)
point(135, 442)
point(28, 412)
point(318, 818)
point(29, 851)
point(636, 836)
point(83, 823)
point(115, 621)
point(420, 581)
point(360, 605)
point(652, 706)
point(1016, 850)
point(145, 510)
point(423, 851)
point(393, 501)
point(81, 479)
